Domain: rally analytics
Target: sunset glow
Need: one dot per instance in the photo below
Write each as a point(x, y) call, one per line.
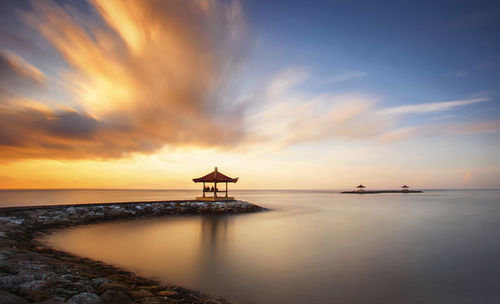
point(149, 94)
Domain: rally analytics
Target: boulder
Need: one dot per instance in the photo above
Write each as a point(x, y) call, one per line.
point(116, 297)
point(141, 293)
point(54, 300)
point(166, 293)
point(151, 300)
point(32, 286)
point(113, 286)
point(84, 298)
point(97, 282)
point(8, 298)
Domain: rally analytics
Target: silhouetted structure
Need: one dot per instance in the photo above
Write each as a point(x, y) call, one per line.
point(214, 177)
point(360, 188)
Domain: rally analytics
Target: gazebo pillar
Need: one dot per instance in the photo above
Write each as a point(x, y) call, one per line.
point(215, 178)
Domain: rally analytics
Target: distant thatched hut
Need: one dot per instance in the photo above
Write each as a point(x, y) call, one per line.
point(360, 188)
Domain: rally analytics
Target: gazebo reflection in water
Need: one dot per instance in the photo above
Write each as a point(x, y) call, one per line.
point(213, 252)
point(210, 193)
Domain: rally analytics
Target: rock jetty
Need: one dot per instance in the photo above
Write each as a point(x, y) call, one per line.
point(32, 273)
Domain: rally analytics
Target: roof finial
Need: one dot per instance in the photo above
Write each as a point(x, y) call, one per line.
point(215, 168)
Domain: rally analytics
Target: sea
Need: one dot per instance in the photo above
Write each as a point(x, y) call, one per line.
point(440, 246)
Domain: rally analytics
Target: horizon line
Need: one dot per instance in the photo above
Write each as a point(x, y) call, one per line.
point(251, 189)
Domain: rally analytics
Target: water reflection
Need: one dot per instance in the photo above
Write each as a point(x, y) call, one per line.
point(213, 241)
point(317, 248)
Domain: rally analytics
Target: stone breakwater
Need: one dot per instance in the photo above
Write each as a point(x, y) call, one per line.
point(32, 273)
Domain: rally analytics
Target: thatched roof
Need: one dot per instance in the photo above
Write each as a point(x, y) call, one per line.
point(215, 177)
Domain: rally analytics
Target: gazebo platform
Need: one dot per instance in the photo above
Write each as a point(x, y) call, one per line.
point(211, 194)
point(214, 199)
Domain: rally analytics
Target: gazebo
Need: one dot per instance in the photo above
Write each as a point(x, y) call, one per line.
point(360, 188)
point(214, 177)
point(405, 188)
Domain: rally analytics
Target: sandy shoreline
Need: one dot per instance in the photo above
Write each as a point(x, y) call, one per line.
point(32, 273)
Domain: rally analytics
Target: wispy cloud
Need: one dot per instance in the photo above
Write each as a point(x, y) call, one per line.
point(16, 74)
point(292, 116)
point(460, 73)
point(313, 118)
point(16, 65)
point(148, 74)
point(431, 107)
point(286, 80)
point(440, 129)
point(490, 126)
point(145, 75)
point(398, 134)
point(347, 75)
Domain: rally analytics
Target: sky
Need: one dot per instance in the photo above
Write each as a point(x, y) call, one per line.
point(283, 94)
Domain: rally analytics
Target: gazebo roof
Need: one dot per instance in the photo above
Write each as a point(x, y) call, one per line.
point(215, 176)
point(360, 186)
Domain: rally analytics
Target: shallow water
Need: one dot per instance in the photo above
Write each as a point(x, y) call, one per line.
point(317, 247)
point(14, 198)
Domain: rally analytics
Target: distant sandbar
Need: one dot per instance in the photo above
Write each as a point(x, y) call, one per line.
point(382, 191)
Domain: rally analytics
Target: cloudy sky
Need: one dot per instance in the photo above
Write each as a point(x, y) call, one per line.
point(283, 94)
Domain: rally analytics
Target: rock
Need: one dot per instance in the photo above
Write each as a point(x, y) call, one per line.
point(64, 292)
point(117, 277)
point(115, 297)
point(84, 298)
point(166, 293)
point(151, 301)
point(3, 258)
point(32, 272)
point(16, 221)
point(11, 281)
point(34, 266)
point(40, 249)
point(97, 282)
point(141, 293)
point(113, 286)
point(8, 298)
point(8, 244)
point(32, 285)
point(54, 300)
point(73, 288)
point(70, 277)
point(150, 287)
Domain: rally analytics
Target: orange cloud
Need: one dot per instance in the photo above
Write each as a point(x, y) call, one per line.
point(17, 74)
point(146, 74)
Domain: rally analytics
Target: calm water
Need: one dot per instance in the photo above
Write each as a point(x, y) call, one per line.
point(11, 198)
point(317, 247)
